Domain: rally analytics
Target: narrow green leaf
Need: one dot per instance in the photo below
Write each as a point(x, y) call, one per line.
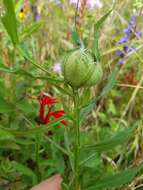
point(64, 186)
point(56, 145)
point(8, 144)
point(86, 96)
point(86, 110)
point(5, 135)
point(26, 55)
point(9, 21)
point(118, 139)
point(97, 29)
point(25, 106)
point(116, 180)
point(112, 79)
point(4, 106)
point(76, 39)
point(110, 83)
point(23, 169)
point(22, 72)
point(29, 30)
point(35, 130)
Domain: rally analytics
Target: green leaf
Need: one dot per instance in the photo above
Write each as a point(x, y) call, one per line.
point(9, 21)
point(110, 83)
point(86, 110)
point(116, 180)
point(64, 186)
point(35, 130)
point(4, 106)
point(34, 27)
point(5, 135)
point(75, 37)
point(112, 79)
point(24, 52)
point(25, 106)
point(85, 98)
point(91, 161)
point(97, 29)
point(23, 169)
point(56, 145)
point(22, 72)
point(8, 144)
point(68, 148)
point(118, 139)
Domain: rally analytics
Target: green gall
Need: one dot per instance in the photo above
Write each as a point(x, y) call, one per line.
point(80, 70)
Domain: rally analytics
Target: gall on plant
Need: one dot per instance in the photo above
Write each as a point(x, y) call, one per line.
point(80, 70)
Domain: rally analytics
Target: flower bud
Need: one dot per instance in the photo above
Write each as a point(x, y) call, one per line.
point(80, 70)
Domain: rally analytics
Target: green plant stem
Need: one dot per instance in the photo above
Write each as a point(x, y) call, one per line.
point(37, 147)
point(12, 85)
point(77, 141)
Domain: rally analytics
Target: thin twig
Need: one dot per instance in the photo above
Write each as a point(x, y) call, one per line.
point(129, 85)
point(76, 13)
point(132, 97)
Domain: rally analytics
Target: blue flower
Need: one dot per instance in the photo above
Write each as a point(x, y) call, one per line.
point(120, 53)
point(121, 62)
point(124, 39)
point(129, 33)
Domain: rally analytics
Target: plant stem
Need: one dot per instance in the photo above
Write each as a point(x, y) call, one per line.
point(37, 157)
point(76, 13)
point(77, 141)
point(11, 85)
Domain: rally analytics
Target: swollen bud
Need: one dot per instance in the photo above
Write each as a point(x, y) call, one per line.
point(80, 70)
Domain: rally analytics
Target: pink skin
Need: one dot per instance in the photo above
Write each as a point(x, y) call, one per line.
point(53, 183)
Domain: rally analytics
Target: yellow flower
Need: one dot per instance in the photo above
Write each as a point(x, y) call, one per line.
point(22, 14)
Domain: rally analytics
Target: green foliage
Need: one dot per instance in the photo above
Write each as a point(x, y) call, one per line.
point(5, 135)
point(9, 21)
point(112, 78)
point(97, 29)
point(118, 139)
point(5, 107)
point(29, 30)
point(25, 171)
point(116, 180)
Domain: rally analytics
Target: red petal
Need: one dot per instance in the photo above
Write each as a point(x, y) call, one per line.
point(58, 114)
point(47, 100)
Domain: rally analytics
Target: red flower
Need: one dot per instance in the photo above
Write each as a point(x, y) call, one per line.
point(47, 102)
point(58, 114)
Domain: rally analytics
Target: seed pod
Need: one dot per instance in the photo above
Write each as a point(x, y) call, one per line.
point(79, 69)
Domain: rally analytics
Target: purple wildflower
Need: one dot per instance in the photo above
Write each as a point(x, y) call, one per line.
point(129, 32)
point(123, 40)
point(120, 53)
point(138, 34)
point(121, 62)
point(36, 13)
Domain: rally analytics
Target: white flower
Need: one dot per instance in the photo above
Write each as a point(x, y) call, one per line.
point(91, 4)
point(97, 4)
point(57, 68)
point(73, 1)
